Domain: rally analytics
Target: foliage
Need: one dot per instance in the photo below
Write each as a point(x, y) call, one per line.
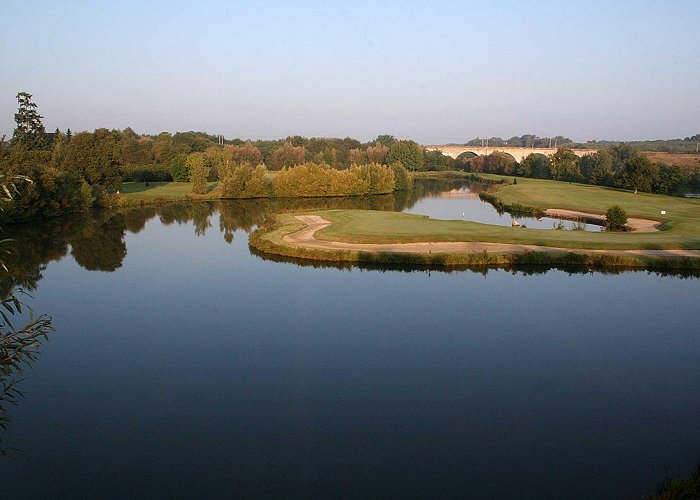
point(377, 153)
point(639, 173)
point(564, 165)
point(615, 217)
point(319, 179)
point(247, 153)
point(402, 181)
point(18, 349)
point(408, 153)
point(29, 132)
point(597, 168)
point(179, 169)
point(436, 160)
point(244, 181)
point(534, 165)
point(286, 156)
point(199, 172)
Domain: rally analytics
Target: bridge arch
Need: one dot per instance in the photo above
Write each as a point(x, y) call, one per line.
point(516, 152)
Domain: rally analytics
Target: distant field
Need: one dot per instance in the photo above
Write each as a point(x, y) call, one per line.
point(680, 159)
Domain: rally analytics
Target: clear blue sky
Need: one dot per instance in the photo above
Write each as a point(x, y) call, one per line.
point(433, 71)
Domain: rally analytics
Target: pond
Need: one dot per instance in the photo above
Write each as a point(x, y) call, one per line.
point(459, 200)
point(185, 366)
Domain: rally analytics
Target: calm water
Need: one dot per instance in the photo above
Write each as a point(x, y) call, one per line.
point(462, 202)
point(183, 366)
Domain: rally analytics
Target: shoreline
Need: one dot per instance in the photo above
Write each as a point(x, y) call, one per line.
point(294, 236)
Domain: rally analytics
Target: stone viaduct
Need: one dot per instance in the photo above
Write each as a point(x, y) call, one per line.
point(518, 153)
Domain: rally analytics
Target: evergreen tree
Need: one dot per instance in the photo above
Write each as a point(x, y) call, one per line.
point(30, 131)
point(58, 148)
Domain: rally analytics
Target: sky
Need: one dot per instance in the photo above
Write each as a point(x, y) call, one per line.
point(436, 72)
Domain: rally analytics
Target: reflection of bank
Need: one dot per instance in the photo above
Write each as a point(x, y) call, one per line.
point(97, 241)
point(19, 348)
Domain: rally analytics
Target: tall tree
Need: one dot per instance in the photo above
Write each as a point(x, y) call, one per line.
point(29, 131)
point(199, 172)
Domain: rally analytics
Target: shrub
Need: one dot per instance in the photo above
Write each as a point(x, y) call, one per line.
point(615, 217)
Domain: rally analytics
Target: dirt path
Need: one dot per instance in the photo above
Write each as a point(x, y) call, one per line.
point(639, 225)
point(305, 238)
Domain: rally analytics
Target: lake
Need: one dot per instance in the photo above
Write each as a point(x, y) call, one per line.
point(183, 366)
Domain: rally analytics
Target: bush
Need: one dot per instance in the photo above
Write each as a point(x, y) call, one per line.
point(615, 217)
point(244, 181)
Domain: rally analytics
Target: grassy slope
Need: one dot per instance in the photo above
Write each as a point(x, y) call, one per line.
point(682, 220)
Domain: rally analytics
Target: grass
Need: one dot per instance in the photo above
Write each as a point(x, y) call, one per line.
point(365, 226)
point(681, 230)
point(268, 240)
point(158, 190)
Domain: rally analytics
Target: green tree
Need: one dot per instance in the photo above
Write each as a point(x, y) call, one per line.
point(402, 181)
point(671, 180)
point(564, 165)
point(29, 131)
point(597, 168)
point(534, 165)
point(385, 140)
point(179, 169)
point(615, 217)
point(501, 163)
point(58, 148)
point(408, 153)
point(199, 172)
point(639, 173)
point(436, 160)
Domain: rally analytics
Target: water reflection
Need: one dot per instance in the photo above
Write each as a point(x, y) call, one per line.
point(97, 242)
point(522, 270)
point(310, 380)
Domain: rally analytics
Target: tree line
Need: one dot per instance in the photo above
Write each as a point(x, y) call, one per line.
point(688, 144)
point(75, 172)
point(619, 166)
